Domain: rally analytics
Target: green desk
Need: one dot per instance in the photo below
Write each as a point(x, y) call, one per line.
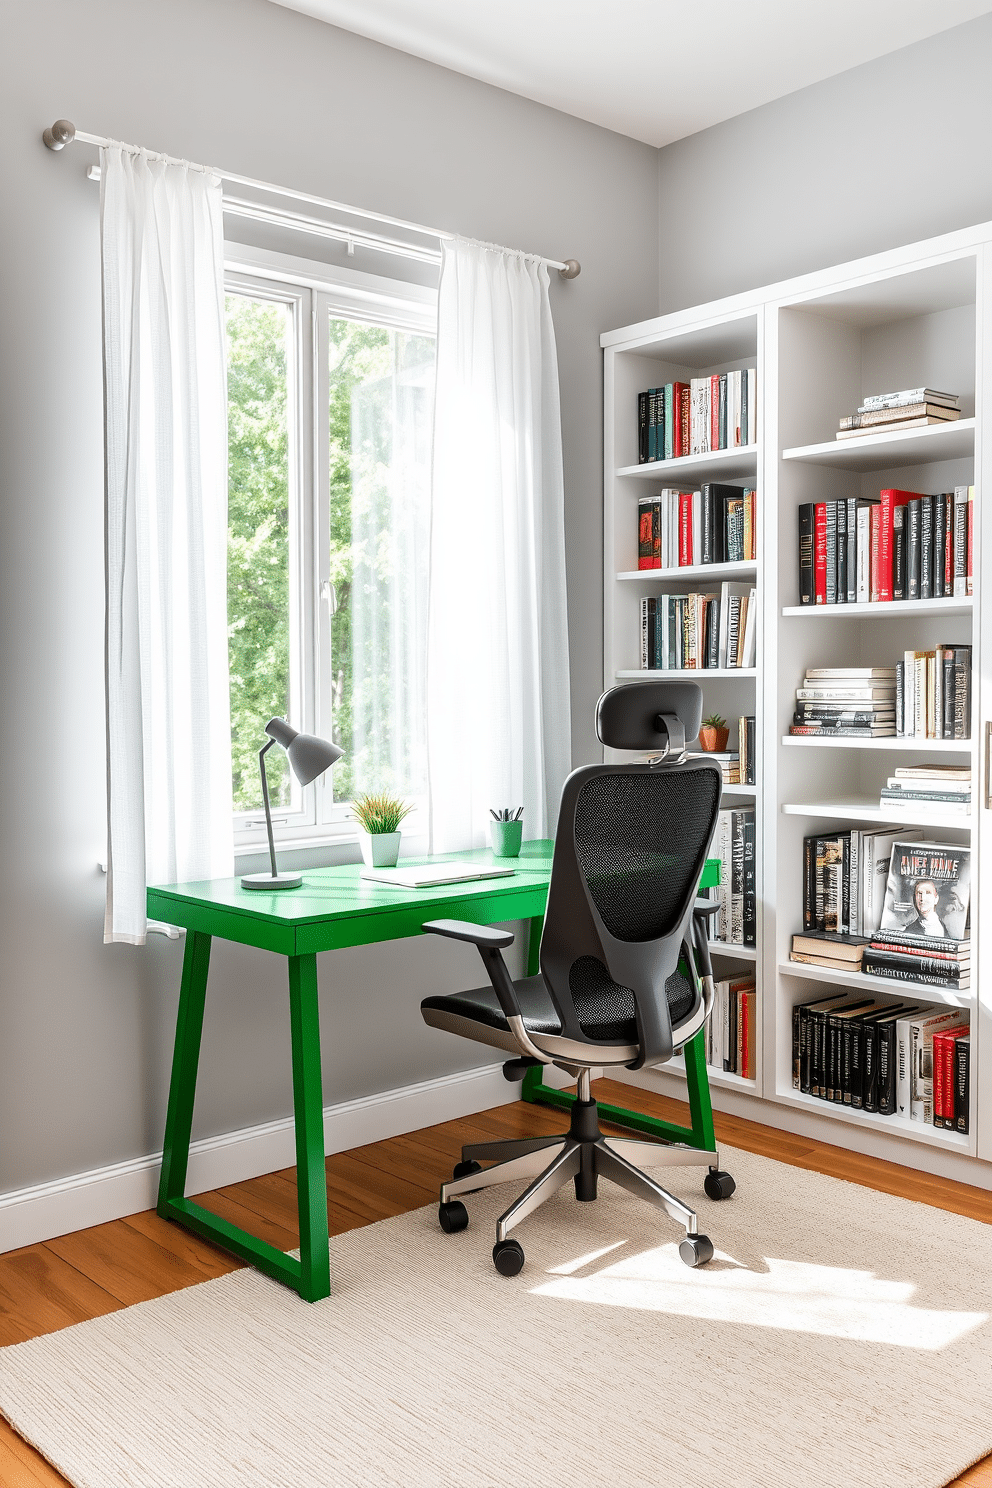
point(336, 908)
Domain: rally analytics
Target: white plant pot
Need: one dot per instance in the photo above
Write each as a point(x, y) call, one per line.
point(379, 849)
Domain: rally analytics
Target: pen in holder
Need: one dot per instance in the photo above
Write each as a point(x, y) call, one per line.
point(507, 832)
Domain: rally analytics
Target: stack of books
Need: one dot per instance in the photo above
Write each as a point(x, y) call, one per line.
point(676, 529)
point(681, 632)
point(732, 1031)
point(933, 693)
point(831, 949)
point(912, 408)
point(902, 545)
point(729, 761)
point(923, 934)
point(923, 788)
point(692, 418)
point(855, 701)
point(906, 1059)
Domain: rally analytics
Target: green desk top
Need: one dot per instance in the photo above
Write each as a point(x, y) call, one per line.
point(335, 907)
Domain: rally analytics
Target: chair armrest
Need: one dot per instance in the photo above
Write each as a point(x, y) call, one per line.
point(706, 907)
point(477, 935)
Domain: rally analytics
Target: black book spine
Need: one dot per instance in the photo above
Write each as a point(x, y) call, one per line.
point(962, 692)
point(831, 552)
point(750, 884)
point(713, 634)
point(912, 523)
point(752, 746)
point(842, 552)
point(869, 1067)
point(796, 1055)
point(805, 1049)
point(939, 543)
point(816, 1021)
point(832, 1080)
point(926, 547)
point(652, 657)
point(708, 500)
point(809, 883)
point(845, 885)
point(899, 552)
point(806, 583)
point(886, 1081)
point(720, 527)
point(962, 1084)
point(849, 1034)
point(642, 428)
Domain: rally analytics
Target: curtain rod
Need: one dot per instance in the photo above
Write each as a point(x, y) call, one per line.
point(63, 132)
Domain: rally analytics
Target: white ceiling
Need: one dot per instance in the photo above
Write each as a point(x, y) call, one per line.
point(656, 70)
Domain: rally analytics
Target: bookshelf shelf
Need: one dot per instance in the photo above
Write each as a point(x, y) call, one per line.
point(890, 451)
point(927, 746)
point(887, 985)
point(896, 609)
point(725, 1078)
point(868, 810)
point(738, 952)
point(719, 463)
point(696, 674)
point(912, 317)
point(902, 1126)
point(691, 571)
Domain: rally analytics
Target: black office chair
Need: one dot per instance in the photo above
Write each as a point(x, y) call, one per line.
point(625, 977)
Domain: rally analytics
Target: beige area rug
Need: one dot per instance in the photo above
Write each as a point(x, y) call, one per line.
point(838, 1332)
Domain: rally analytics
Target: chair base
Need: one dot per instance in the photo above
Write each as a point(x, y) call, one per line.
point(584, 1155)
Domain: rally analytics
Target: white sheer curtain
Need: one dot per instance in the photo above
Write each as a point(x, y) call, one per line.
point(497, 674)
point(168, 711)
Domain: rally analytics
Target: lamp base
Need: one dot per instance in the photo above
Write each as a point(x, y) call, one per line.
point(266, 881)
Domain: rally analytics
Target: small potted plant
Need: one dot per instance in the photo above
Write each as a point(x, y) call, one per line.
point(378, 816)
point(713, 734)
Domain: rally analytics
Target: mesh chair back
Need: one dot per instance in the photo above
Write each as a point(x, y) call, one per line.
point(630, 847)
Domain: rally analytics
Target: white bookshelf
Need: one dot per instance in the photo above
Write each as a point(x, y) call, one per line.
point(913, 316)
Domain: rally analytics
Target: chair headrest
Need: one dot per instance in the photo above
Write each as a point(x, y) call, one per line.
point(633, 716)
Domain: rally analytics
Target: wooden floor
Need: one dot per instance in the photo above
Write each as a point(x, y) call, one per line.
point(96, 1271)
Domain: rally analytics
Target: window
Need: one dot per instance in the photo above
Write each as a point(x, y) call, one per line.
point(330, 398)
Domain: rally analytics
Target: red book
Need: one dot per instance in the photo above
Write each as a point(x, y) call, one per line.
point(685, 417)
point(820, 552)
point(876, 535)
point(657, 519)
point(890, 499)
point(942, 1068)
point(715, 413)
point(680, 420)
point(937, 1069)
point(971, 531)
point(685, 528)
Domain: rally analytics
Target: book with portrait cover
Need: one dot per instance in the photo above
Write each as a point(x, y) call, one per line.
point(928, 892)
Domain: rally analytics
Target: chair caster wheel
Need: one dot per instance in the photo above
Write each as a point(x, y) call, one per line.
point(452, 1216)
point(718, 1185)
point(696, 1250)
point(508, 1257)
point(466, 1169)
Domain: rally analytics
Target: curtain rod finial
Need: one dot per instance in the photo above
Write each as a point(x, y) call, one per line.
point(571, 270)
point(62, 132)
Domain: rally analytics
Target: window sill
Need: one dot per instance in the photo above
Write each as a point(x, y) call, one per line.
point(317, 852)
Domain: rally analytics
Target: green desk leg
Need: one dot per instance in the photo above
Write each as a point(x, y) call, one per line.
point(310, 1276)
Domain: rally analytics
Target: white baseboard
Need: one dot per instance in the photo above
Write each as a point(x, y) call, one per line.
point(29, 1215)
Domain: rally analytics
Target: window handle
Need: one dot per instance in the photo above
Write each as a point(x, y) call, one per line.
point(988, 766)
point(329, 595)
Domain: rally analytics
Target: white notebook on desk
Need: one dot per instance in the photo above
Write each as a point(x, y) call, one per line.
point(429, 875)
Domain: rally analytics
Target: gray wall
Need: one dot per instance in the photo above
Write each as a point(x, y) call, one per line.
point(885, 154)
point(86, 1030)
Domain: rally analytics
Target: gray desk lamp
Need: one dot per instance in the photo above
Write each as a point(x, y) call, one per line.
point(308, 757)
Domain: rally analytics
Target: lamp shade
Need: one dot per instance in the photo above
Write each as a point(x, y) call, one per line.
point(309, 756)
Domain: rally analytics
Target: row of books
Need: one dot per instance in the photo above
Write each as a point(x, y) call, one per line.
point(715, 524)
point(734, 844)
point(732, 1031)
point(939, 962)
point(923, 788)
point(692, 418)
point(691, 632)
point(905, 545)
point(890, 1058)
point(863, 883)
point(855, 701)
point(933, 693)
point(889, 413)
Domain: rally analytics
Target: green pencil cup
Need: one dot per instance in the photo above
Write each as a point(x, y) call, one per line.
point(507, 836)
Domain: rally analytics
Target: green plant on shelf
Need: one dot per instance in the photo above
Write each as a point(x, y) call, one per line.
point(715, 721)
point(379, 813)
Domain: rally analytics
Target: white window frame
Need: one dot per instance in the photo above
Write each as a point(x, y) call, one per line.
point(317, 292)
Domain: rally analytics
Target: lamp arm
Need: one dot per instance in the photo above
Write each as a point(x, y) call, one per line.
point(265, 797)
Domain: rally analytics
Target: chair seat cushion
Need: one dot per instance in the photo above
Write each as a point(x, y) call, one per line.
point(481, 1006)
